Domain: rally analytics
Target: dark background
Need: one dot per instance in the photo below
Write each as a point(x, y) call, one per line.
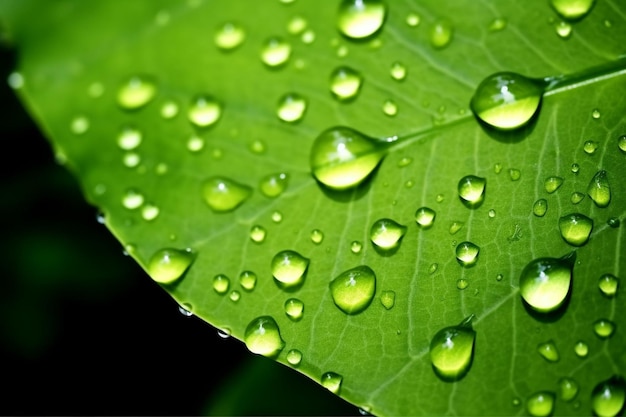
point(84, 331)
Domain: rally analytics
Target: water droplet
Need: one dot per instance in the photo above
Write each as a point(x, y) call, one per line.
point(497, 24)
point(413, 19)
point(291, 107)
point(405, 161)
point(455, 226)
point(129, 138)
point(229, 36)
point(342, 157)
point(353, 290)
point(390, 108)
point(572, 9)
point(613, 222)
point(451, 350)
point(540, 207)
point(275, 52)
point(345, 83)
point(491, 213)
point(277, 216)
point(168, 265)
point(425, 217)
point(234, 296)
point(169, 110)
point(136, 93)
point(288, 268)
point(595, 114)
point(274, 185)
point(603, 328)
point(150, 212)
point(515, 174)
point(294, 309)
point(599, 189)
point(332, 382)
point(581, 349)
point(247, 280)
point(549, 351)
point(551, 184)
point(433, 268)
point(185, 309)
point(462, 283)
point(608, 285)
point(317, 236)
point(131, 159)
point(568, 389)
point(563, 29)
point(499, 277)
point(577, 197)
point(540, 404)
point(608, 397)
point(296, 25)
point(222, 194)
point(224, 333)
point(359, 19)
point(398, 71)
point(262, 337)
point(590, 147)
point(575, 168)
point(388, 299)
point(95, 90)
point(621, 143)
point(79, 125)
point(439, 198)
point(294, 357)
point(472, 190)
point(195, 144)
point(467, 253)
point(356, 247)
point(497, 168)
point(204, 111)
point(15, 80)
point(386, 234)
point(575, 228)
point(221, 283)
point(132, 199)
point(506, 100)
point(545, 282)
point(441, 34)
point(258, 233)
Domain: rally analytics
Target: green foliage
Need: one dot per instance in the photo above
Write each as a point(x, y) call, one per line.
point(75, 56)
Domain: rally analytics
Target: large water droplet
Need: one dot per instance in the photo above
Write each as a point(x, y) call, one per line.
point(168, 265)
point(223, 194)
point(425, 217)
point(262, 337)
point(451, 350)
point(467, 253)
point(275, 52)
point(568, 389)
point(506, 100)
point(472, 190)
point(575, 228)
point(359, 19)
point(549, 351)
point(603, 328)
point(608, 285)
point(342, 157)
point(540, 207)
point(289, 267)
point(441, 34)
point(386, 234)
point(572, 9)
point(599, 189)
point(545, 282)
point(229, 36)
point(345, 83)
point(332, 382)
point(291, 107)
point(274, 185)
point(540, 404)
point(204, 111)
point(294, 309)
point(136, 93)
point(353, 290)
point(221, 283)
point(608, 397)
point(551, 184)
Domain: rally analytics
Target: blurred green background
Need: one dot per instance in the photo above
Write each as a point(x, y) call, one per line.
point(83, 330)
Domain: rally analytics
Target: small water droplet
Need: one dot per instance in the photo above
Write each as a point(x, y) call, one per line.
point(229, 36)
point(388, 299)
point(603, 328)
point(581, 349)
point(345, 83)
point(613, 222)
point(169, 110)
point(342, 157)
point(277, 216)
point(275, 52)
point(356, 247)
point(425, 217)
point(224, 333)
point(247, 280)
point(185, 309)
point(386, 234)
point(332, 382)
point(497, 24)
point(515, 174)
point(221, 283)
point(131, 159)
point(294, 357)
point(95, 90)
point(595, 114)
point(274, 185)
point(472, 190)
point(575, 168)
point(262, 337)
point(150, 212)
point(545, 282)
point(499, 277)
point(462, 283)
point(549, 351)
point(577, 197)
point(129, 138)
point(317, 236)
point(296, 25)
point(621, 143)
point(390, 108)
point(258, 233)
point(439, 198)
point(291, 107)
point(204, 111)
point(540, 207)
point(608, 285)
point(136, 93)
point(608, 397)
point(294, 309)
point(491, 213)
point(433, 268)
point(540, 404)
point(551, 184)
point(358, 19)
point(168, 265)
point(308, 37)
point(568, 389)
point(398, 71)
point(575, 228)
point(599, 189)
point(353, 290)
point(590, 147)
point(451, 350)
point(195, 144)
point(497, 168)
point(572, 9)
point(405, 161)
point(441, 34)
point(563, 29)
point(288, 268)
point(467, 253)
point(15, 80)
point(132, 199)
point(455, 226)
point(79, 125)
point(507, 100)
point(234, 296)
point(222, 194)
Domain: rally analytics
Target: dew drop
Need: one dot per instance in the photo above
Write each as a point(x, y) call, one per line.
point(132, 199)
point(497, 24)
point(603, 328)
point(386, 234)
point(359, 19)
point(499, 277)
point(168, 265)
point(353, 290)
point(568, 389)
point(258, 233)
point(275, 52)
point(195, 144)
point(317, 236)
point(595, 114)
point(342, 157)
point(575, 168)
point(455, 226)
point(551, 184)
point(398, 71)
point(451, 350)
point(590, 147)
point(621, 143)
point(462, 283)
point(599, 189)
point(549, 351)
point(390, 108)
point(425, 217)
point(136, 93)
point(224, 333)
point(608, 285)
point(222, 194)
point(204, 111)
point(296, 25)
point(288, 268)
point(150, 212)
point(332, 382)
point(405, 161)
point(491, 213)
point(545, 282)
point(129, 138)
point(229, 36)
point(169, 110)
point(277, 216)
point(572, 9)
point(15, 80)
point(577, 197)
point(540, 207)
point(433, 268)
point(581, 349)
point(506, 100)
point(294, 309)
point(388, 299)
point(439, 198)
point(441, 34)
point(575, 228)
point(131, 159)
point(221, 284)
point(291, 107)
point(613, 222)
point(563, 29)
point(472, 190)
point(234, 296)
point(540, 404)
point(467, 253)
point(274, 185)
point(497, 168)
point(412, 19)
point(79, 125)
point(247, 280)
point(294, 357)
point(95, 90)
point(185, 310)
point(515, 174)
point(345, 83)
point(608, 397)
point(262, 337)
point(356, 247)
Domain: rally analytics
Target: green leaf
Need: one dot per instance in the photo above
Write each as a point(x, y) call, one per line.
point(75, 57)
